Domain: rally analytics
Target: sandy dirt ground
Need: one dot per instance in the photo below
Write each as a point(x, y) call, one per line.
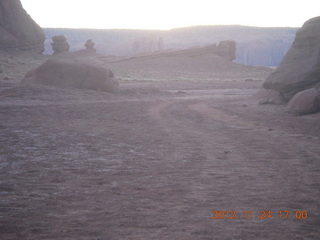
point(155, 162)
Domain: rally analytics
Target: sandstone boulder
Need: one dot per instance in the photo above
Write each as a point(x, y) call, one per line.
point(73, 74)
point(304, 102)
point(59, 44)
point(300, 68)
point(17, 29)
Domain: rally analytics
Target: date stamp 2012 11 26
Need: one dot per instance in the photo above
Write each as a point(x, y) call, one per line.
point(283, 214)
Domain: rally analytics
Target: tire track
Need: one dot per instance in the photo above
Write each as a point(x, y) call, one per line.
point(237, 164)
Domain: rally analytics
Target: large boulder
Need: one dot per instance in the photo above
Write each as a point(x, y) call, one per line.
point(73, 74)
point(17, 29)
point(300, 68)
point(304, 102)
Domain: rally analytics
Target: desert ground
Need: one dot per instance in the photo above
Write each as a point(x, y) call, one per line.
point(156, 160)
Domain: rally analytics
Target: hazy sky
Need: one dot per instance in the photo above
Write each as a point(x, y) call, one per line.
point(167, 14)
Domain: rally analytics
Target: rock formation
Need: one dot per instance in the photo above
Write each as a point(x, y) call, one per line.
point(59, 44)
point(72, 74)
point(90, 46)
point(300, 68)
point(304, 102)
point(17, 29)
point(227, 49)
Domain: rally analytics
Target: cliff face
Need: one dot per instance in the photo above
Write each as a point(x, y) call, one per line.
point(263, 52)
point(17, 29)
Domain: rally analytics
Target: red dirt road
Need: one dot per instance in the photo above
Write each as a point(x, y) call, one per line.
point(154, 162)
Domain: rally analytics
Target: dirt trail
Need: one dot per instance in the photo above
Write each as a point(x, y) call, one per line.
point(154, 164)
point(239, 165)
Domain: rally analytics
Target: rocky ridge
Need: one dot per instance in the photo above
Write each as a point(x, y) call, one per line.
point(17, 29)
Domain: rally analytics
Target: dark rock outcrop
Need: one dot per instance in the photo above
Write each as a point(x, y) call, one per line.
point(72, 74)
point(227, 49)
point(17, 29)
point(300, 68)
point(304, 102)
point(59, 44)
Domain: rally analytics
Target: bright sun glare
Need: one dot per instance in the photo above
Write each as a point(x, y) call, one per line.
point(167, 14)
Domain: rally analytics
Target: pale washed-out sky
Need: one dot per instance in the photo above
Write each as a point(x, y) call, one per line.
point(168, 14)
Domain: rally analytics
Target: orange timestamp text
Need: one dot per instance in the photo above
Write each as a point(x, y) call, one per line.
point(284, 214)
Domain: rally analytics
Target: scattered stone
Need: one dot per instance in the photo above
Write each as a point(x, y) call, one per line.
point(304, 102)
point(59, 44)
point(180, 92)
point(264, 101)
point(227, 151)
point(73, 74)
point(277, 99)
point(300, 68)
point(8, 78)
point(17, 29)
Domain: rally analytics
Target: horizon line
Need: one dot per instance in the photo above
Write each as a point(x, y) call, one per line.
point(169, 29)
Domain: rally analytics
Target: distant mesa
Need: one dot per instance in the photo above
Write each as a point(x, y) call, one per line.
point(17, 29)
point(225, 49)
point(214, 61)
point(300, 68)
point(255, 46)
